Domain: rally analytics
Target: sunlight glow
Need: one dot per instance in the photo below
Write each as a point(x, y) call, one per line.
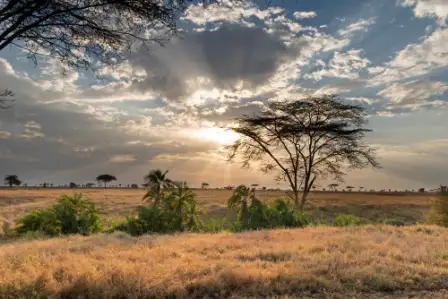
point(217, 135)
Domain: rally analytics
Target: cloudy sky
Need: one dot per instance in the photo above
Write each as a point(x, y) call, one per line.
point(164, 106)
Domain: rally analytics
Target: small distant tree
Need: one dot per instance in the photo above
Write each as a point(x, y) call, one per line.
point(361, 188)
point(421, 190)
point(73, 185)
point(12, 180)
point(134, 186)
point(304, 140)
point(333, 186)
point(350, 188)
point(90, 185)
point(204, 185)
point(105, 178)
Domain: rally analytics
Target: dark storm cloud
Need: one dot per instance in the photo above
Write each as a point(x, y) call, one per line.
point(226, 56)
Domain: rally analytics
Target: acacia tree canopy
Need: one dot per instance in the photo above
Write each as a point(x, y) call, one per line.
point(304, 141)
point(83, 33)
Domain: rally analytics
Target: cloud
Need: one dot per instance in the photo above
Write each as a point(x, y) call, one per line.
point(360, 25)
point(229, 12)
point(342, 65)
point(413, 92)
point(365, 100)
point(424, 163)
point(415, 59)
point(62, 139)
point(304, 14)
point(229, 57)
point(428, 8)
point(122, 159)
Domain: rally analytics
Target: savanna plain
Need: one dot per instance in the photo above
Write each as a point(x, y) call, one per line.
point(373, 260)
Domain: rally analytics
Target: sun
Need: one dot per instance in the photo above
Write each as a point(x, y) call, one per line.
point(217, 135)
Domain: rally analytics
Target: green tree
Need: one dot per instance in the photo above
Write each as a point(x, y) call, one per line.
point(105, 178)
point(184, 202)
point(304, 141)
point(240, 202)
point(156, 181)
point(12, 180)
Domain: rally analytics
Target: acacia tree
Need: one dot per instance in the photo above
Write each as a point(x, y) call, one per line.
point(84, 32)
point(12, 180)
point(205, 185)
point(333, 186)
point(303, 141)
point(105, 178)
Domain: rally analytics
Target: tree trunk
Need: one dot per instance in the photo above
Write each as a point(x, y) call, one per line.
point(303, 201)
point(244, 213)
point(296, 201)
point(105, 185)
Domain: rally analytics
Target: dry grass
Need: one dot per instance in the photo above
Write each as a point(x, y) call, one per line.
point(120, 202)
point(364, 262)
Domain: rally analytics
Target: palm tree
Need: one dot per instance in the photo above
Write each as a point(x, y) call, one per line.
point(105, 178)
point(156, 180)
point(240, 201)
point(11, 180)
point(184, 201)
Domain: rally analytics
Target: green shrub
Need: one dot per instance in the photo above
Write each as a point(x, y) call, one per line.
point(346, 220)
point(280, 214)
point(438, 213)
point(175, 211)
point(213, 225)
point(70, 215)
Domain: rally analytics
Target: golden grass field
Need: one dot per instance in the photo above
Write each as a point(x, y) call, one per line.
point(357, 262)
point(116, 203)
point(373, 261)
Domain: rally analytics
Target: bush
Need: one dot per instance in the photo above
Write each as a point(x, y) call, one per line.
point(438, 214)
point(346, 220)
point(70, 215)
point(280, 214)
point(213, 225)
point(176, 211)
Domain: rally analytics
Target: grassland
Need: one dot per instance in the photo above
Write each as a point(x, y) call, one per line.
point(117, 203)
point(373, 261)
point(359, 262)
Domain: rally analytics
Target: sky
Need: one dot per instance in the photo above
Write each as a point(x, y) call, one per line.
point(164, 106)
